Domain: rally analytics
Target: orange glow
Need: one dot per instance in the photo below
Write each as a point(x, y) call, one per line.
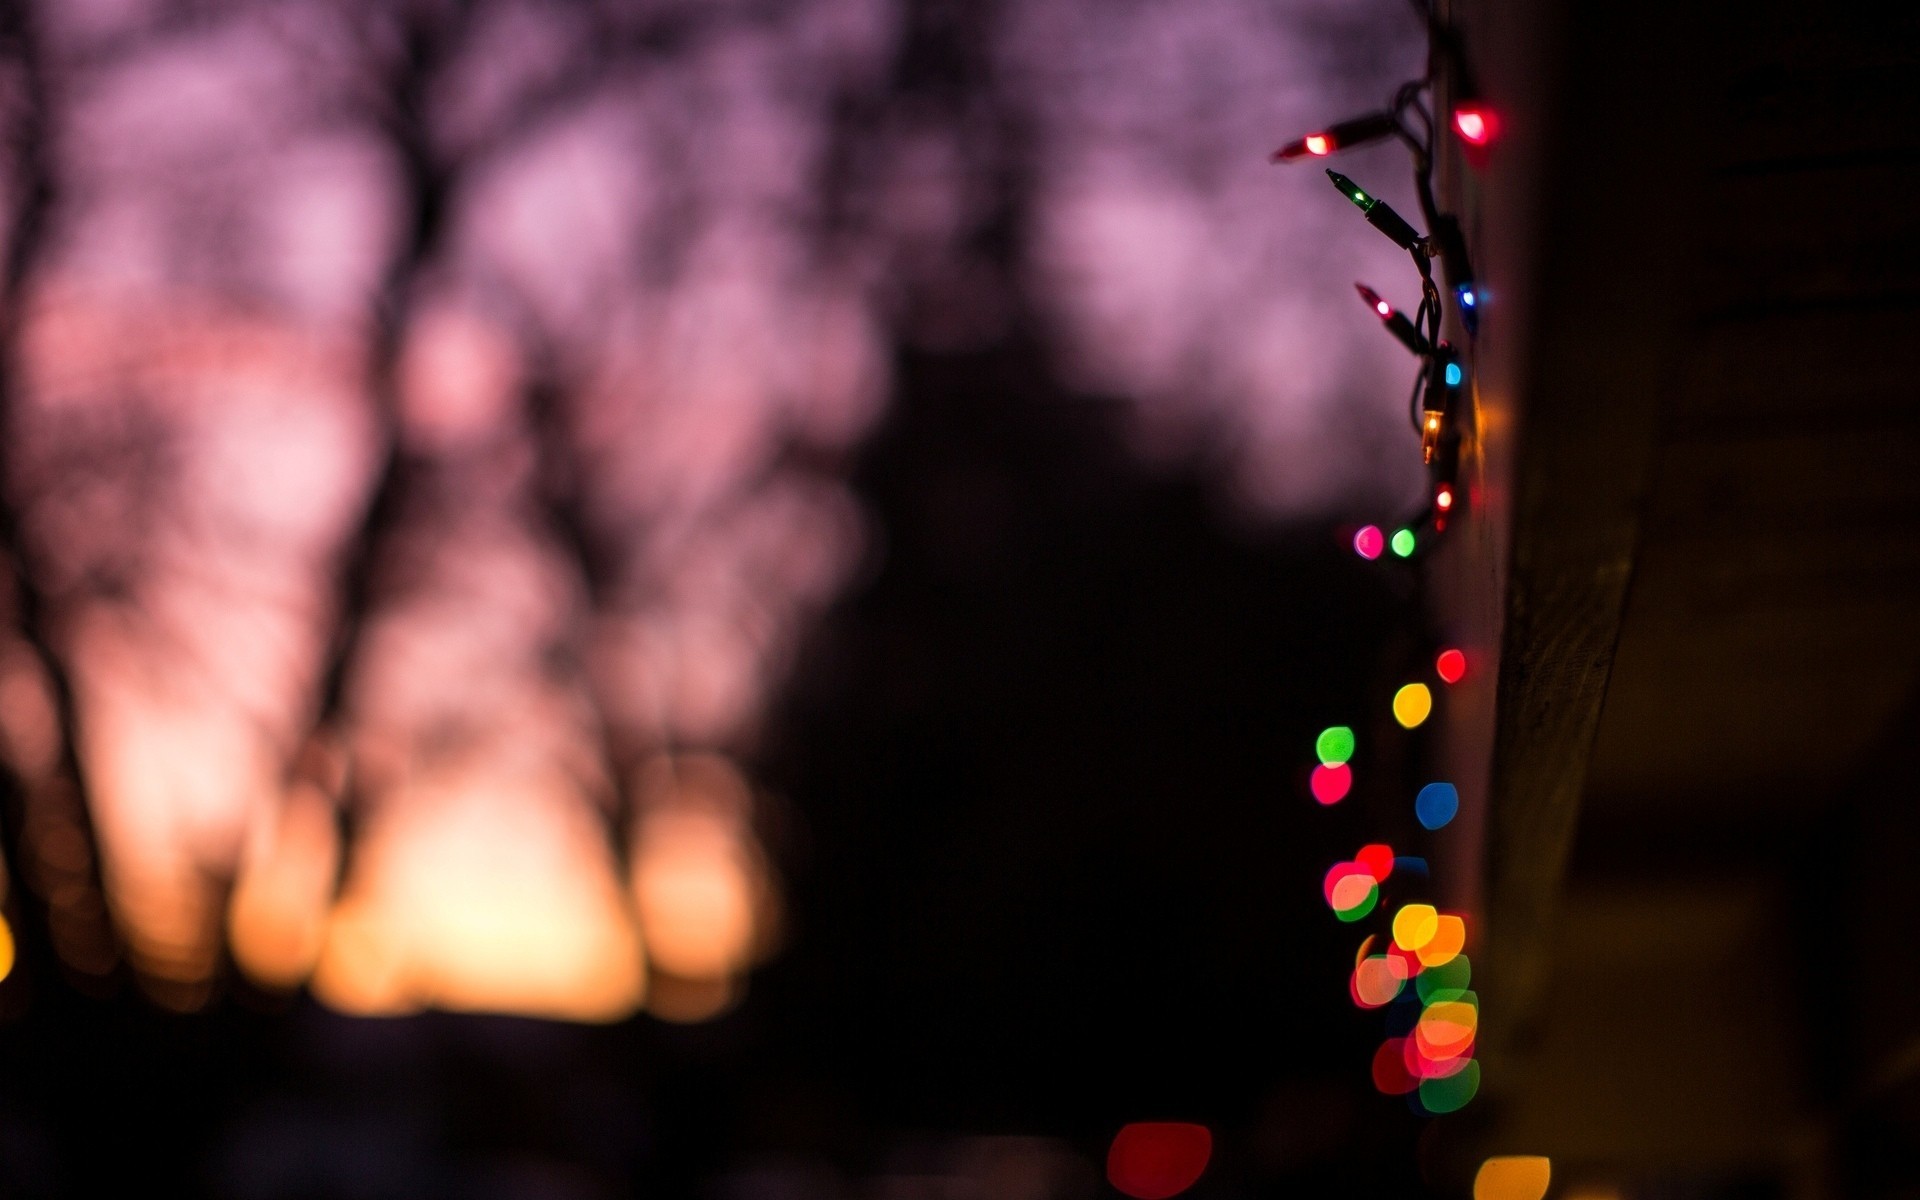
point(690, 1001)
point(1449, 938)
point(1414, 926)
point(694, 893)
point(1513, 1177)
point(277, 919)
point(698, 885)
point(479, 891)
point(6, 948)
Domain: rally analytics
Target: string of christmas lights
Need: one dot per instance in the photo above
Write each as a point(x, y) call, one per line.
point(1419, 978)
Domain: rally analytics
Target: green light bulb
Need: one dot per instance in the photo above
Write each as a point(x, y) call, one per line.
point(1352, 190)
point(1403, 542)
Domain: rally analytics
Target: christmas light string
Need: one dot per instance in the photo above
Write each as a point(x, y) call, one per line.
point(1420, 978)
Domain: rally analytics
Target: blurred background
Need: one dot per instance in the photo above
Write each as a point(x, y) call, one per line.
point(711, 598)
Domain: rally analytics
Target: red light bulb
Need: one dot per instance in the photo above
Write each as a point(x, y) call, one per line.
point(1443, 498)
point(1451, 666)
point(1476, 124)
point(1318, 143)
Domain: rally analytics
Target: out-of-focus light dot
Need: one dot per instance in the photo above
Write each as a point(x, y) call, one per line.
point(1366, 944)
point(1330, 782)
point(1416, 866)
point(1390, 1073)
point(1369, 543)
point(6, 948)
point(1402, 542)
point(1152, 1160)
point(1414, 926)
point(1423, 1065)
point(1352, 891)
point(1377, 981)
point(1451, 666)
point(1454, 375)
point(1334, 745)
point(1468, 297)
point(1360, 910)
point(1319, 143)
point(1408, 958)
point(1377, 858)
point(1447, 1028)
point(1383, 308)
point(1449, 938)
point(1436, 804)
point(1451, 1094)
point(1412, 705)
point(1341, 871)
point(1513, 1177)
point(1448, 981)
point(1443, 497)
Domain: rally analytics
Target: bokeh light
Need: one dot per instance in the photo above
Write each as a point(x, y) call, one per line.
point(1450, 1093)
point(1334, 745)
point(1513, 1177)
point(1412, 705)
point(1331, 782)
point(1369, 543)
point(1152, 1160)
point(1408, 958)
point(1414, 926)
point(1451, 666)
point(1449, 938)
point(1390, 1074)
point(6, 948)
point(1351, 912)
point(1448, 981)
point(1403, 542)
point(1436, 804)
point(1378, 980)
point(1377, 858)
point(1447, 1028)
point(1336, 874)
point(1424, 1064)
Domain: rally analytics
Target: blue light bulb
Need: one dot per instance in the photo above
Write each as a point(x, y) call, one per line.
point(1453, 375)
